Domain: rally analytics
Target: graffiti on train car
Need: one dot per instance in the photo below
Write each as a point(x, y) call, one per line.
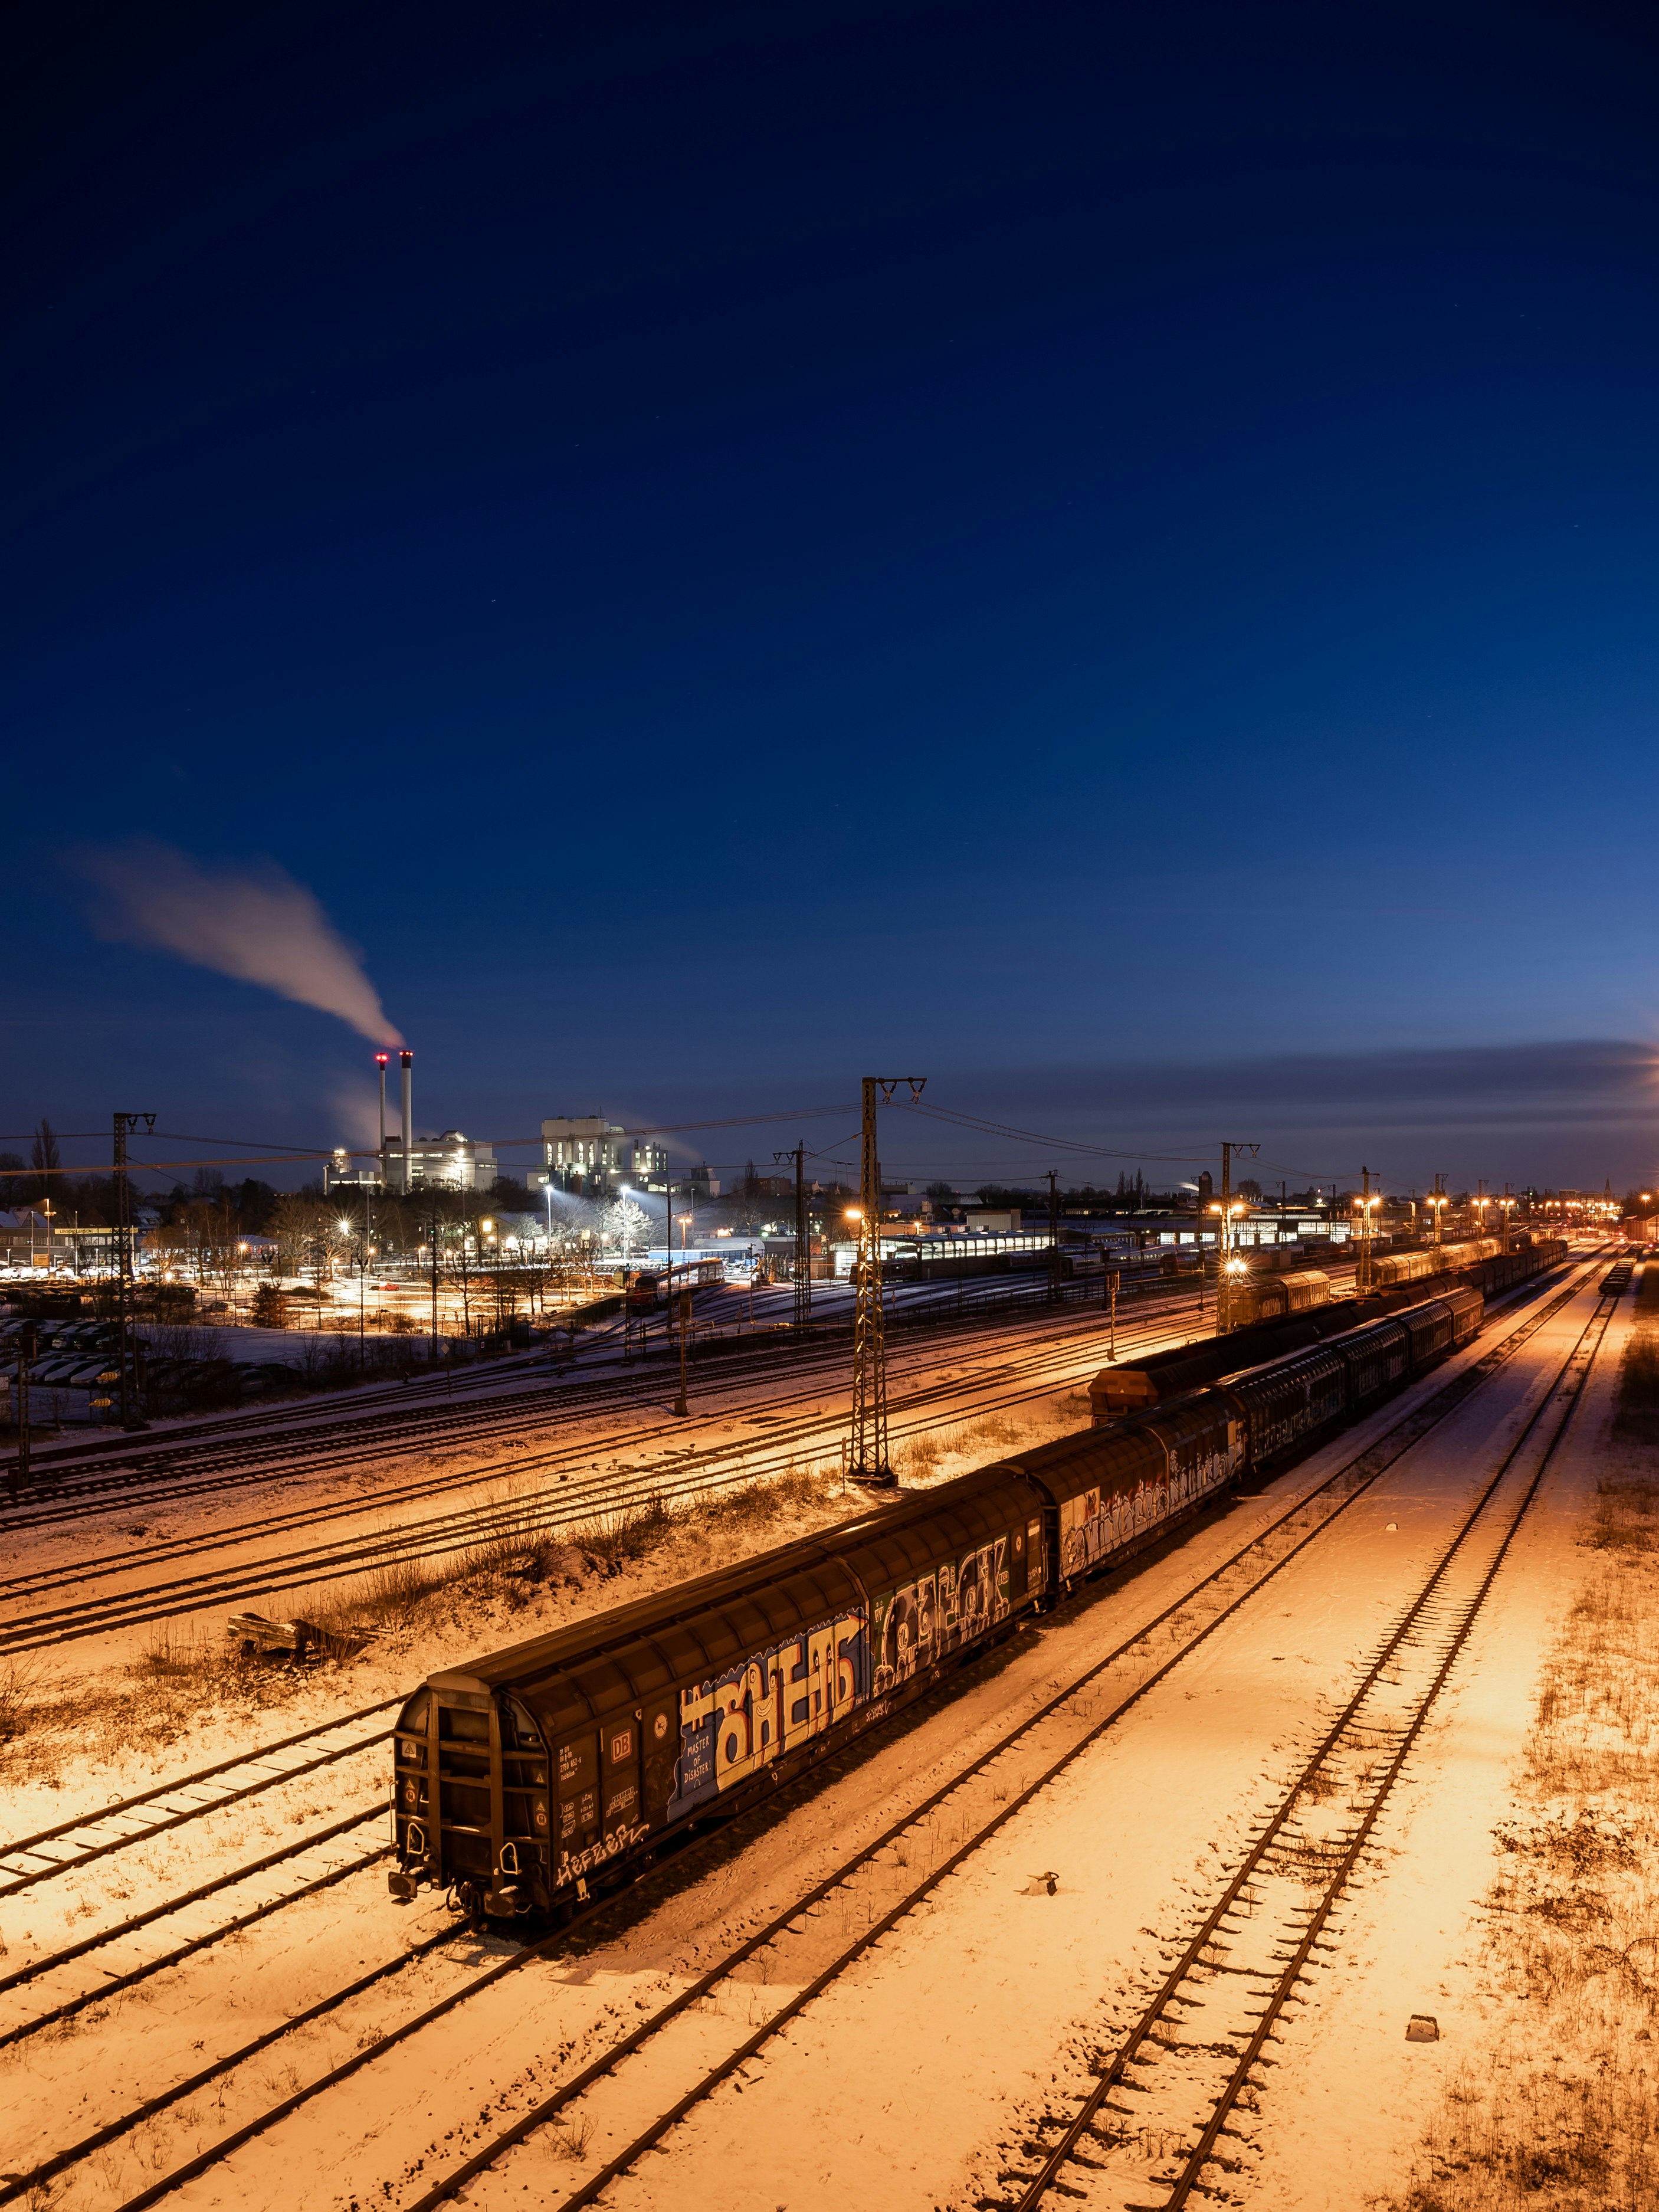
point(937, 1614)
point(1097, 1523)
point(765, 1705)
point(572, 1863)
point(1205, 1464)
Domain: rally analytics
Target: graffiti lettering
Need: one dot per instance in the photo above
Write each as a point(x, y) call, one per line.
point(927, 1620)
point(572, 1863)
point(1093, 1526)
point(765, 1705)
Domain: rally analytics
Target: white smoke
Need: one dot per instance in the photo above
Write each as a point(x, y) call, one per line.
point(356, 1108)
point(253, 922)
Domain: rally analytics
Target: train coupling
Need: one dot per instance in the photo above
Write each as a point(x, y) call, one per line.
point(505, 1899)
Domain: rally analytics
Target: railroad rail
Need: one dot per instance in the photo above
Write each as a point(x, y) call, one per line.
point(74, 1844)
point(109, 1982)
point(356, 1442)
point(626, 1399)
point(517, 1520)
point(788, 1967)
point(697, 1474)
point(1262, 1557)
point(1264, 1927)
point(418, 1412)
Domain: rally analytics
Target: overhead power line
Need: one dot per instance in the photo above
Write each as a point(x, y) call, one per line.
point(1050, 1143)
point(295, 1155)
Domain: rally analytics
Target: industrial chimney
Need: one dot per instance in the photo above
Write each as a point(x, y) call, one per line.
point(407, 1061)
point(380, 1059)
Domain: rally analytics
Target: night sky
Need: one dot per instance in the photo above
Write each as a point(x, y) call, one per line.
point(1108, 555)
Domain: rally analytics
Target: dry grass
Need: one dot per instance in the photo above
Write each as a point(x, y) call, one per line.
point(469, 1597)
point(1567, 2117)
point(17, 1694)
point(1638, 1383)
point(156, 1701)
point(522, 1583)
point(946, 1451)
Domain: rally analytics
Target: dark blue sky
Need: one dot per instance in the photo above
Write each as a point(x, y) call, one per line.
point(1081, 549)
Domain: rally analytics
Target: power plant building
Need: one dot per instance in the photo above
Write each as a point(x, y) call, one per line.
point(587, 1154)
point(449, 1162)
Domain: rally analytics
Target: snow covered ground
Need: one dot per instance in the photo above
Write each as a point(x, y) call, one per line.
point(910, 2079)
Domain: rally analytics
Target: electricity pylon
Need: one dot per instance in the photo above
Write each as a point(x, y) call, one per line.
point(1364, 1277)
point(803, 1235)
point(124, 1123)
point(869, 1460)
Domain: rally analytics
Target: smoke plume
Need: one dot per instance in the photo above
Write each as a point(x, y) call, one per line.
point(253, 922)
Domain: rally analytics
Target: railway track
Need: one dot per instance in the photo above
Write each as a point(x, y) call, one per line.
point(591, 1496)
point(358, 1441)
point(1262, 1929)
point(71, 1992)
point(71, 1844)
point(574, 1503)
point(791, 1960)
point(1055, 1734)
point(382, 1421)
point(626, 1394)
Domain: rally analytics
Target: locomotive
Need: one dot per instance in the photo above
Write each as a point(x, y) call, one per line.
point(527, 1779)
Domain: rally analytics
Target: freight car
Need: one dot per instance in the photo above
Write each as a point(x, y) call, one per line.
point(1270, 1298)
point(1182, 1369)
point(528, 1777)
point(652, 1286)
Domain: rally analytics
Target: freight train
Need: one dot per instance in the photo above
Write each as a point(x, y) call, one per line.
point(1306, 1316)
point(529, 1778)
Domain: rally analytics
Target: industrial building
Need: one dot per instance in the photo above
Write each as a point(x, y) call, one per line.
point(450, 1161)
point(587, 1154)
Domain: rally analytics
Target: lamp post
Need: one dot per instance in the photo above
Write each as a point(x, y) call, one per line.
point(1436, 1203)
point(1236, 1267)
point(1363, 1272)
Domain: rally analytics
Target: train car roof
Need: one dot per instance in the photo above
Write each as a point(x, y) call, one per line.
point(1093, 1459)
point(813, 1570)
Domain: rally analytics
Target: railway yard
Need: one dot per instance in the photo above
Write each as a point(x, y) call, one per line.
point(1190, 1889)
